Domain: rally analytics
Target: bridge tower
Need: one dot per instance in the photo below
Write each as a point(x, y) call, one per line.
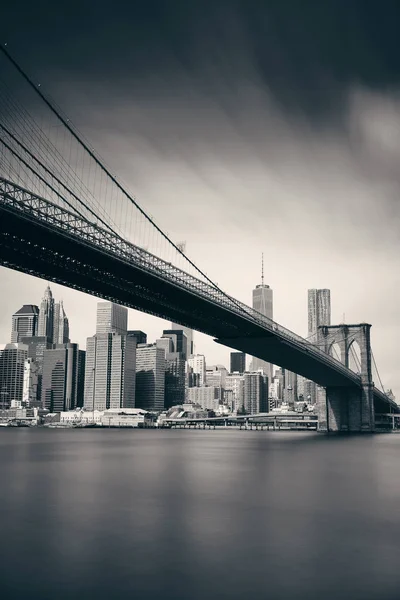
point(347, 408)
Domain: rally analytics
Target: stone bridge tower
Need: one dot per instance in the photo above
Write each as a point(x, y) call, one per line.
point(348, 408)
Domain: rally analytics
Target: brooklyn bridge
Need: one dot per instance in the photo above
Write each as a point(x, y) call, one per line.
point(65, 217)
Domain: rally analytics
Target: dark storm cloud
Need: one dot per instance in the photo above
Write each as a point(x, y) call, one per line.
point(306, 51)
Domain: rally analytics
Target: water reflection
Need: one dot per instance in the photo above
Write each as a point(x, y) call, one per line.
point(216, 514)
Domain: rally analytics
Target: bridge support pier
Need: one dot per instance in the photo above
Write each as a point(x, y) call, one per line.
point(347, 408)
point(343, 409)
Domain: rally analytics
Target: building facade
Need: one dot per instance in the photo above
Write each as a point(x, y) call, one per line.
point(24, 323)
point(60, 325)
point(234, 392)
point(110, 372)
point(150, 377)
point(205, 396)
point(111, 318)
point(255, 393)
point(30, 385)
point(174, 379)
point(12, 362)
point(263, 303)
point(46, 316)
point(197, 366)
point(60, 378)
point(179, 340)
point(189, 337)
point(238, 362)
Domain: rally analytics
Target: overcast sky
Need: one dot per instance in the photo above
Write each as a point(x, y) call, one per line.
point(243, 127)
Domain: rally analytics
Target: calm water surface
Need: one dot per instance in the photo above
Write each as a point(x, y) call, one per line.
point(192, 515)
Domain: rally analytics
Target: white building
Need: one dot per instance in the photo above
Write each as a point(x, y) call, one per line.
point(206, 396)
point(30, 384)
point(127, 417)
point(110, 372)
point(197, 363)
point(111, 318)
point(234, 391)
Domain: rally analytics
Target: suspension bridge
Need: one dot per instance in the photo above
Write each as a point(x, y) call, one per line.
point(65, 217)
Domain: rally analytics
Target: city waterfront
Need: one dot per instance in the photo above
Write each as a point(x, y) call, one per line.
point(195, 514)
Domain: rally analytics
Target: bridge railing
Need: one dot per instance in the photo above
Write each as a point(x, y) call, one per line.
point(33, 206)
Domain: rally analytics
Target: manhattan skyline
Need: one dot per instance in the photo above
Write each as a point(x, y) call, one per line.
point(313, 166)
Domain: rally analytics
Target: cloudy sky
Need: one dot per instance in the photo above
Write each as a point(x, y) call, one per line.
point(242, 127)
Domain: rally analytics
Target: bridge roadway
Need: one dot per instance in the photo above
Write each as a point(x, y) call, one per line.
point(43, 239)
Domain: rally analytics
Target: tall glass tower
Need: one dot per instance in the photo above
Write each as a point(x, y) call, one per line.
point(263, 303)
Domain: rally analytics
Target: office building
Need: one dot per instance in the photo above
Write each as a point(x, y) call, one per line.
point(263, 303)
point(290, 388)
point(36, 346)
point(46, 316)
point(81, 378)
point(189, 337)
point(255, 393)
point(30, 383)
point(141, 336)
point(150, 377)
point(174, 379)
point(196, 370)
point(166, 343)
point(319, 311)
point(60, 377)
point(216, 377)
point(234, 392)
point(110, 370)
point(111, 318)
point(24, 323)
point(60, 325)
point(179, 340)
point(12, 361)
point(208, 397)
point(238, 362)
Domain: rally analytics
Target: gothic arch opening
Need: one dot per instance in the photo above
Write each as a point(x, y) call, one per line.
point(335, 351)
point(355, 356)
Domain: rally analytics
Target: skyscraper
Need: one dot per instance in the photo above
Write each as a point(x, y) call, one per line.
point(36, 346)
point(179, 339)
point(150, 377)
point(81, 378)
point(319, 311)
point(111, 318)
point(263, 303)
point(238, 362)
point(60, 325)
point(189, 336)
point(12, 361)
point(24, 323)
point(110, 372)
point(60, 377)
point(110, 361)
point(174, 379)
point(141, 336)
point(46, 316)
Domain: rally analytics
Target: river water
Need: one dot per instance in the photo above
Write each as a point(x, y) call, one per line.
point(198, 514)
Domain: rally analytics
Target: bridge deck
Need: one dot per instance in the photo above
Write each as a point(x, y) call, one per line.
point(44, 240)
